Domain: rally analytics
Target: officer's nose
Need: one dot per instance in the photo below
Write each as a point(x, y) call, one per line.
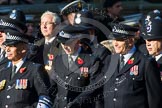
point(148, 43)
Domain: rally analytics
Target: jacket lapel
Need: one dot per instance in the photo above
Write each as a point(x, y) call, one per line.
point(134, 59)
point(159, 60)
point(76, 65)
point(20, 73)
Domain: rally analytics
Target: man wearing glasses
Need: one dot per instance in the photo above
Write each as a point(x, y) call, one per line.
point(47, 45)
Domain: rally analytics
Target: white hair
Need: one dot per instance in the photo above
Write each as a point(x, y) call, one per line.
point(56, 18)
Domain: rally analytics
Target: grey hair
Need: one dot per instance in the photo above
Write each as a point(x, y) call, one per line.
point(56, 18)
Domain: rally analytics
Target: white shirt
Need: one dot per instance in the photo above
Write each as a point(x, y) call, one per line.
point(75, 55)
point(50, 40)
point(158, 57)
point(129, 54)
point(19, 64)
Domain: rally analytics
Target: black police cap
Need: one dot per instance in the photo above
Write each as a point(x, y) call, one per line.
point(14, 37)
point(70, 33)
point(15, 20)
point(122, 31)
point(74, 6)
point(84, 18)
point(151, 28)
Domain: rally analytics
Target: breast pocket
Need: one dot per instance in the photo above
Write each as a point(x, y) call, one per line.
point(138, 83)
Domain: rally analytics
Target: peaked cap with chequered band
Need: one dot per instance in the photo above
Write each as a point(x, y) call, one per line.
point(15, 20)
point(69, 33)
point(121, 31)
point(14, 37)
point(74, 6)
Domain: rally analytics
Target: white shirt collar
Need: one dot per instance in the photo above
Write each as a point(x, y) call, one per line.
point(19, 64)
point(129, 54)
point(75, 55)
point(50, 40)
point(158, 57)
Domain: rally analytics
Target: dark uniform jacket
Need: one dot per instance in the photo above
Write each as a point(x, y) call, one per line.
point(42, 54)
point(24, 89)
point(72, 81)
point(3, 61)
point(137, 85)
point(159, 61)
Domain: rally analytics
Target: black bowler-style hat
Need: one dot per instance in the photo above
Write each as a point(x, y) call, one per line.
point(70, 33)
point(15, 20)
point(122, 31)
point(14, 37)
point(74, 6)
point(152, 25)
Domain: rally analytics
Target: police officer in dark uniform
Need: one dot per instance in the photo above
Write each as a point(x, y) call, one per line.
point(75, 14)
point(85, 18)
point(73, 70)
point(153, 35)
point(134, 80)
point(23, 84)
point(15, 20)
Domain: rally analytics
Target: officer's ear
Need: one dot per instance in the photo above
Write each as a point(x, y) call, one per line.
point(24, 48)
point(131, 41)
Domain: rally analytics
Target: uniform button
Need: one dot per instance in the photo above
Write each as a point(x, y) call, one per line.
point(6, 106)
point(9, 87)
point(116, 89)
point(66, 77)
point(117, 79)
point(78, 78)
point(8, 96)
point(114, 99)
point(66, 87)
point(65, 98)
point(105, 76)
point(133, 78)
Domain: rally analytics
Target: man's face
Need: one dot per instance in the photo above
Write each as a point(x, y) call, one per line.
point(15, 52)
point(116, 9)
point(154, 47)
point(30, 29)
point(2, 37)
point(70, 47)
point(47, 25)
point(122, 46)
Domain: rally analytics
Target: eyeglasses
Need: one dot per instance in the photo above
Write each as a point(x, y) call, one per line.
point(46, 23)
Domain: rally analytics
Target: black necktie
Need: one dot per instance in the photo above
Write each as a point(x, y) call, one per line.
point(121, 62)
point(46, 52)
point(13, 71)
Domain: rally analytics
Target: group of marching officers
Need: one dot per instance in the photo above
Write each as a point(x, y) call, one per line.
point(70, 68)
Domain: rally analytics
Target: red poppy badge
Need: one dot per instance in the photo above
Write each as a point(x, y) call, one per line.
point(50, 56)
point(80, 61)
point(22, 69)
point(131, 61)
